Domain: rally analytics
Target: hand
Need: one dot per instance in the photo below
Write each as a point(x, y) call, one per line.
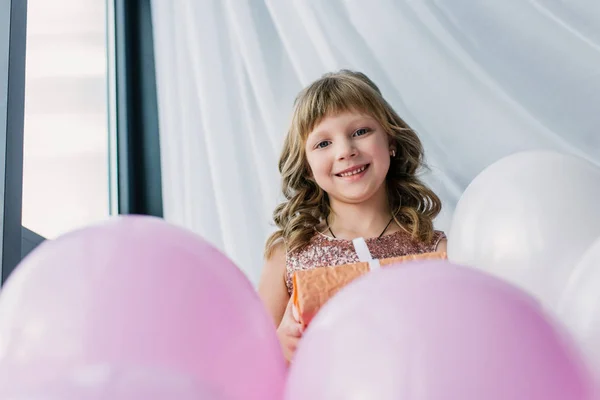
point(289, 332)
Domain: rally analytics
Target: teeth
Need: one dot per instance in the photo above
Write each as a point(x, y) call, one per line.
point(356, 171)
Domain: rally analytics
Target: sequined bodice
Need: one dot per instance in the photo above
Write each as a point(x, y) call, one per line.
point(325, 251)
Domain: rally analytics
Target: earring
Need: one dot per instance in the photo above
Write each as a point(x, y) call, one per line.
point(393, 153)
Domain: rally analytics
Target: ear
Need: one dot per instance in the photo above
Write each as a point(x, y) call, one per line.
point(392, 143)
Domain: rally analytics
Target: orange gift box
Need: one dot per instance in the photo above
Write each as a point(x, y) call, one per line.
point(312, 288)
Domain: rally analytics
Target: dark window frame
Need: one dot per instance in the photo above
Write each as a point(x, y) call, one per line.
point(137, 124)
point(135, 186)
point(13, 35)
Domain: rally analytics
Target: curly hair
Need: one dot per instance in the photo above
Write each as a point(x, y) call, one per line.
point(306, 205)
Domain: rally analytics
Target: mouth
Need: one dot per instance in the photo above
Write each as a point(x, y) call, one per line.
point(359, 169)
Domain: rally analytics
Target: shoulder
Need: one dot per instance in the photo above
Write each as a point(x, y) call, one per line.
point(314, 240)
point(404, 242)
point(273, 271)
point(439, 242)
point(277, 256)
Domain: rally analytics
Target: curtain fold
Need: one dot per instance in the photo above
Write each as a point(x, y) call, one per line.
point(477, 80)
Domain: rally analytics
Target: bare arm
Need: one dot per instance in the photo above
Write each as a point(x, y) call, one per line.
point(442, 246)
point(271, 288)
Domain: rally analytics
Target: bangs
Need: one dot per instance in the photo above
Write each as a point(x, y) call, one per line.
point(332, 96)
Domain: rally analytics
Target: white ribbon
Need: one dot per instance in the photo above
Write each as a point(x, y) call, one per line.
point(363, 253)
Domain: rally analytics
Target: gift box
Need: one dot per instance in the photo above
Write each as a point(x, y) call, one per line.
point(312, 288)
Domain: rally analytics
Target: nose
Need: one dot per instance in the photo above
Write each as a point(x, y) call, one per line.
point(346, 150)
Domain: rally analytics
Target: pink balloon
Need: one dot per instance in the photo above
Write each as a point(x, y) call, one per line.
point(109, 382)
point(137, 290)
point(435, 331)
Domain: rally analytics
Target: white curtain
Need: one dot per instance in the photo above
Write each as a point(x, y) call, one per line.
point(478, 80)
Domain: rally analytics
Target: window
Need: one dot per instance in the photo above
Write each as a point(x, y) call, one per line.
point(66, 131)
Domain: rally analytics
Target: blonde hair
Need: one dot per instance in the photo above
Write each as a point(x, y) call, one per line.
point(413, 204)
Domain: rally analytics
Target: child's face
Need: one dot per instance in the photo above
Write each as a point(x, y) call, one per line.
point(349, 156)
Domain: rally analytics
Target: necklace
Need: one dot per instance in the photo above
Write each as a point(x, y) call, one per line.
point(380, 235)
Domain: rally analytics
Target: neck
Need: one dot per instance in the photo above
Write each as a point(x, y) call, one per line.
point(366, 219)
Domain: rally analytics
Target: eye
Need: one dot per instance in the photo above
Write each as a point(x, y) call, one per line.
point(322, 145)
point(361, 132)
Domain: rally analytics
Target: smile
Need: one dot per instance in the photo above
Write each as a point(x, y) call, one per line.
point(353, 171)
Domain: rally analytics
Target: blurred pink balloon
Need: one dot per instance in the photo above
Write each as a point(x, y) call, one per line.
point(435, 331)
point(108, 382)
point(137, 290)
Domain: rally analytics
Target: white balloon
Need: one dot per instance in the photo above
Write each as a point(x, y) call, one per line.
point(528, 218)
point(579, 306)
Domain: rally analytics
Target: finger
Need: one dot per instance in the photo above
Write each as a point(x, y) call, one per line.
point(292, 345)
point(294, 330)
point(290, 303)
point(296, 314)
point(289, 355)
point(291, 312)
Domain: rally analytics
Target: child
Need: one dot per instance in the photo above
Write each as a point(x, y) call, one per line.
point(349, 168)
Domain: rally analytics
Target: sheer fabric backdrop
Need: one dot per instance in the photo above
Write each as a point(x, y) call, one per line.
point(477, 80)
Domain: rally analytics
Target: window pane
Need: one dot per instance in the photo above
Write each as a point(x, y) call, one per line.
point(66, 153)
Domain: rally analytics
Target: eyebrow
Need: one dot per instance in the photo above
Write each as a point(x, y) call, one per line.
point(315, 135)
point(365, 118)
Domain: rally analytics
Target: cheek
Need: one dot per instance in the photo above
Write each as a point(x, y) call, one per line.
point(319, 165)
point(379, 150)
